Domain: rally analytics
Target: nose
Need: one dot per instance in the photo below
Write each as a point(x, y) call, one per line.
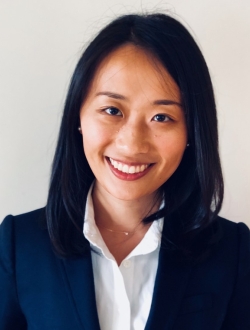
point(133, 139)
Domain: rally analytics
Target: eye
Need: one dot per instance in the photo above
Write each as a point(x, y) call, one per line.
point(113, 111)
point(161, 117)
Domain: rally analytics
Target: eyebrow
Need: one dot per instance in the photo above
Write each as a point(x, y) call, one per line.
point(112, 95)
point(167, 102)
point(122, 97)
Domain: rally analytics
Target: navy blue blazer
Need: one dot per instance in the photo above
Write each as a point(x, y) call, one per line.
point(40, 291)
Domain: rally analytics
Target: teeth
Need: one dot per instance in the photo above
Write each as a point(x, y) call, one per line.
point(128, 169)
point(125, 169)
point(131, 169)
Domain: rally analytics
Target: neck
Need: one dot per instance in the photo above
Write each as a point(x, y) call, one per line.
point(121, 215)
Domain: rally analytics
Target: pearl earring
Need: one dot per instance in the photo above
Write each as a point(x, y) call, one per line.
point(188, 144)
point(80, 129)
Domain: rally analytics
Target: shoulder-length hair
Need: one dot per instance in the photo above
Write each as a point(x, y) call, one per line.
point(193, 194)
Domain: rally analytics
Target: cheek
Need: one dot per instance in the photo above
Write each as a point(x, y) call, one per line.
point(95, 138)
point(172, 149)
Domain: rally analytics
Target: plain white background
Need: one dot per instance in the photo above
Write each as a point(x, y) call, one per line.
point(41, 41)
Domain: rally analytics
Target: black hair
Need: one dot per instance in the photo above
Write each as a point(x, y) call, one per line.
point(194, 193)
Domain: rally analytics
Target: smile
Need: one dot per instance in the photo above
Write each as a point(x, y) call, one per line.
point(129, 169)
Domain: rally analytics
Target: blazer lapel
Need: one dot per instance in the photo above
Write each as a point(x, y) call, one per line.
point(170, 284)
point(78, 275)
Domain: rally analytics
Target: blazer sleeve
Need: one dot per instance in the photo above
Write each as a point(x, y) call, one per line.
point(238, 314)
point(11, 316)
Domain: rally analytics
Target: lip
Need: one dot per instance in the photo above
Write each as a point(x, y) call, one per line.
point(128, 176)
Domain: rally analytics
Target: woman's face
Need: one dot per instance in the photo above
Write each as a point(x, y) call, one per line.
point(133, 125)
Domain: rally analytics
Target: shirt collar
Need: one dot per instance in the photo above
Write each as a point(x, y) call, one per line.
point(148, 244)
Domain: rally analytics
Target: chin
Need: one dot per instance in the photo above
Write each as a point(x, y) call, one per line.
point(130, 194)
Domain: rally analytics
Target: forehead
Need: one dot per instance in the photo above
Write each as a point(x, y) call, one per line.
point(131, 65)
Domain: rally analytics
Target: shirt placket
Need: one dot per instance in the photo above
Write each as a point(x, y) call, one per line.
point(122, 314)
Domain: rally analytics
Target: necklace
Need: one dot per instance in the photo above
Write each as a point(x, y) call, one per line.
point(120, 232)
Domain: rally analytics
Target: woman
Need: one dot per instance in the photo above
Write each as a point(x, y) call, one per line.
point(130, 237)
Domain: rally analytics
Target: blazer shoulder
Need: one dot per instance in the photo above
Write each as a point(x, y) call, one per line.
point(236, 241)
point(28, 216)
point(231, 224)
point(236, 236)
point(28, 220)
point(232, 229)
point(24, 230)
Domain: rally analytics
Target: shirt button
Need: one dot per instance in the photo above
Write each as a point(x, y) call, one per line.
point(126, 263)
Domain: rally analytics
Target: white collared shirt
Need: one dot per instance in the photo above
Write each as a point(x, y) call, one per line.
point(123, 293)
